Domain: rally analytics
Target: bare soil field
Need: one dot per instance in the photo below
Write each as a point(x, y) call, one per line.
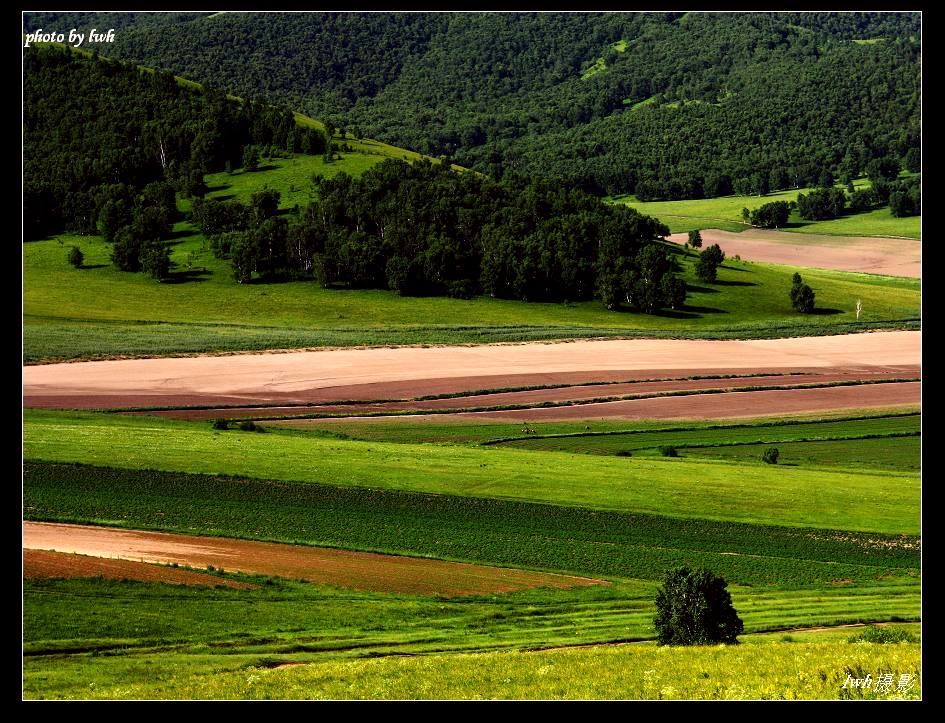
point(341, 568)
point(392, 373)
point(536, 397)
point(865, 254)
point(725, 405)
point(39, 564)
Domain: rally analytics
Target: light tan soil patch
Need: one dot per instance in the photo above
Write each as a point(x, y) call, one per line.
point(41, 564)
point(341, 568)
point(865, 254)
point(301, 377)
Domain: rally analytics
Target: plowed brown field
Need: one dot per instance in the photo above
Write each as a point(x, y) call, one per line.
point(333, 375)
point(38, 564)
point(341, 568)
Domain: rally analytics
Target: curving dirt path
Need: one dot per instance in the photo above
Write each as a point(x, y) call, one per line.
point(302, 377)
point(341, 568)
point(865, 254)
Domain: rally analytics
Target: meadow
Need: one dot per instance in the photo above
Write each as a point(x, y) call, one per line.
point(100, 312)
point(725, 213)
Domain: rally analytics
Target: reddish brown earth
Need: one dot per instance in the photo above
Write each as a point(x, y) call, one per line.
point(539, 396)
point(725, 405)
point(865, 254)
point(40, 564)
point(341, 568)
point(332, 375)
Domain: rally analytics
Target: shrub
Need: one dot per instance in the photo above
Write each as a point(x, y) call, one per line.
point(693, 607)
point(695, 239)
point(624, 453)
point(669, 452)
point(770, 455)
point(802, 295)
point(250, 426)
point(220, 424)
point(76, 258)
point(875, 634)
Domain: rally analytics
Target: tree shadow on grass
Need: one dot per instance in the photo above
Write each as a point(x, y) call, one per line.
point(221, 187)
point(700, 289)
point(93, 266)
point(735, 268)
point(825, 312)
point(224, 197)
point(700, 310)
point(720, 282)
point(187, 276)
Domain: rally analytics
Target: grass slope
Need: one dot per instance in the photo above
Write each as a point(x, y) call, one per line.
point(725, 213)
point(819, 497)
point(98, 311)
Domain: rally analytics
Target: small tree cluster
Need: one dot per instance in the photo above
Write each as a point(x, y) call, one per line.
point(771, 215)
point(770, 455)
point(693, 607)
point(821, 203)
point(802, 295)
point(709, 262)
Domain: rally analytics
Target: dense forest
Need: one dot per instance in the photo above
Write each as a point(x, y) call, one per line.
point(664, 105)
point(424, 229)
point(109, 147)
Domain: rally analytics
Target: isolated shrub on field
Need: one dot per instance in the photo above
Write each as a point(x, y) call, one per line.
point(76, 258)
point(669, 452)
point(693, 607)
point(770, 455)
point(875, 634)
point(250, 426)
point(221, 424)
point(624, 453)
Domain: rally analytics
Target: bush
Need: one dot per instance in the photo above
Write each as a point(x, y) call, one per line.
point(770, 455)
point(624, 453)
point(669, 452)
point(76, 258)
point(220, 424)
point(695, 239)
point(250, 426)
point(694, 608)
point(874, 634)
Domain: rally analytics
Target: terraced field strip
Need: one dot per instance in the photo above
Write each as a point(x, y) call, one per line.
point(343, 568)
point(40, 564)
point(292, 377)
point(558, 395)
point(695, 405)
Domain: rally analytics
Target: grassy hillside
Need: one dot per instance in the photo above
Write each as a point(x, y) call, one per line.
point(98, 311)
point(725, 213)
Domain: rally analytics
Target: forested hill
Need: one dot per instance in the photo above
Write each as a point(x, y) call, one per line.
point(673, 104)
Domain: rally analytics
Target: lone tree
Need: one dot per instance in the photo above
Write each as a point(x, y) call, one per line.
point(771, 455)
point(75, 257)
point(250, 158)
point(802, 295)
point(694, 608)
point(709, 262)
point(695, 239)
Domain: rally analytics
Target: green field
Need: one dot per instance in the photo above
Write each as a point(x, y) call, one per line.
point(100, 312)
point(884, 442)
point(501, 532)
point(725, 213)
point(815, 497)
point(105, 639)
